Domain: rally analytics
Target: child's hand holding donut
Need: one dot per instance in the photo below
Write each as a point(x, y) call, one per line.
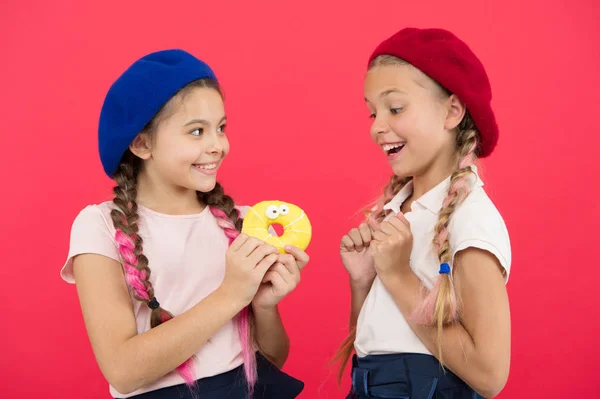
point(284, 275)
point(247, 261)
point(281, 278)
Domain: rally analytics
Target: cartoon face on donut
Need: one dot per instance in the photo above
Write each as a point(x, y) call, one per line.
point(297, 230)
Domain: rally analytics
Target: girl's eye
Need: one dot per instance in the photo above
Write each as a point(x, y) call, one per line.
point(222, 128)
point(372, 116)
point(395, 111)
point(197, 132)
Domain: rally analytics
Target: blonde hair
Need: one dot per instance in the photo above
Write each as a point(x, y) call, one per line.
point(439, 307)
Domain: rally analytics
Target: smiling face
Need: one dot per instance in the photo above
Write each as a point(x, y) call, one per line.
point(188, 146)
point(413, 118)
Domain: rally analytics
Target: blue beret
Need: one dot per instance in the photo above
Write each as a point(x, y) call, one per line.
point(138, 94)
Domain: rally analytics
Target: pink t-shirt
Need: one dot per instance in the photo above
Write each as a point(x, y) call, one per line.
point(186, 255)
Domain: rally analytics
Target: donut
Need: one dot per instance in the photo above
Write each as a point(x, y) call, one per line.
point(297, 230)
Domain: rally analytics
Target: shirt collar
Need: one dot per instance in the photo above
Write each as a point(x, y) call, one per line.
point(432, 199)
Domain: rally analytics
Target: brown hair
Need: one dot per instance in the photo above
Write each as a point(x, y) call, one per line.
point(125, 218)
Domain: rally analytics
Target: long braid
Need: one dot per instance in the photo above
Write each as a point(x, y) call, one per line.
point(228, 218)
point(440, 306)
point(377, 214)
point(135, 264)
point(125, 219)
point(441, 303)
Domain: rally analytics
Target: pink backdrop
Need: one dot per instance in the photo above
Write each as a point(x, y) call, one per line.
point(292, 74)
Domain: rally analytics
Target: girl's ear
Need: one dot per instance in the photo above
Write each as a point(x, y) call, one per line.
point(456, 112)
point(140, 146)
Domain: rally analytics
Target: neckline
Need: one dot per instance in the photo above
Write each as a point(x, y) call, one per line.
point(169, 216)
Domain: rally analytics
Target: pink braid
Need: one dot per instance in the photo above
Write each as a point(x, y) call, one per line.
point(135, 278)
point(248, 352)
point(132, 275)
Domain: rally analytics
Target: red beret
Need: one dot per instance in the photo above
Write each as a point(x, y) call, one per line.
point(450, 62)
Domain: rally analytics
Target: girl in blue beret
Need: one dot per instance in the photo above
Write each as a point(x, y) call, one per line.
point(177, 303)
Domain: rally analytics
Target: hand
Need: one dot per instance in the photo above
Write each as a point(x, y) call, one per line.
point(247, 262)
point(356, 257)
point(391, 246)
point(281, 278)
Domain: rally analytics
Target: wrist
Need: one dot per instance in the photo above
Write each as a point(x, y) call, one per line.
point(362, 283)
point(256, 307)
point(229, 297)
point(397, 277)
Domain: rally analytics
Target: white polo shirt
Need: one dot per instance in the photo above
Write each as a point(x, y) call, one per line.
point(381, 327)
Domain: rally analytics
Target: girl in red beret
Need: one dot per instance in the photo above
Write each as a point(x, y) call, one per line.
point(430, 314)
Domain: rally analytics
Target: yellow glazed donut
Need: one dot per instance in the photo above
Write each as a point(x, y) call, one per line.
point(297, 230)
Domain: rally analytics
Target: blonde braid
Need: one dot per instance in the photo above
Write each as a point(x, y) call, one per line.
point(377, 213)
point(440, 306)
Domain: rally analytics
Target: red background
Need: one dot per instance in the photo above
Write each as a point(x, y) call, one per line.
point(292, 74)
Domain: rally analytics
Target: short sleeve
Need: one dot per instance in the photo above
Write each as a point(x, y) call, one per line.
point(478, 224)
point(91, 233)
